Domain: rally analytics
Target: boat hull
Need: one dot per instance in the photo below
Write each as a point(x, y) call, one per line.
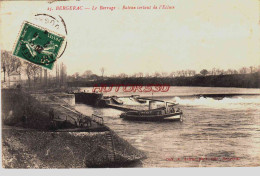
point(166, 117)
point(117, 101)
point(88, 98)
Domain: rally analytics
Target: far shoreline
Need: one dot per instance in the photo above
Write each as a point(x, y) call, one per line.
point(251, 80)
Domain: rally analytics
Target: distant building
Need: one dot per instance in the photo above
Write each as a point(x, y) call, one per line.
point(13, 79)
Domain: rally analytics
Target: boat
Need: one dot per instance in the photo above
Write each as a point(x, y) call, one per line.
point(141, 100)
point(137, 99)
point(104, 102)
point(88, 98)
point(167, 113)
point(116, 100)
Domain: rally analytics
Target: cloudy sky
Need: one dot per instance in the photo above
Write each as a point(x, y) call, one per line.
point(195, 35)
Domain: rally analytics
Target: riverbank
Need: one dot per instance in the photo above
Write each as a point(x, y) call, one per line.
point(32, 144)
point(233, 80)
point(37, 149)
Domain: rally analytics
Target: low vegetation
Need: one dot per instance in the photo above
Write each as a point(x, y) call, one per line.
point(21, 109)
point(234, 80)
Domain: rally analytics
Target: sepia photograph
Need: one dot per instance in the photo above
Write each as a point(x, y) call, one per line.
point(130, 84)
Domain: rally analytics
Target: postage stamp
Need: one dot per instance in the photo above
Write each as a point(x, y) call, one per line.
point(38, 45)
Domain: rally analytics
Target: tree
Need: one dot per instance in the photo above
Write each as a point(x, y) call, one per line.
point(76, 75)
point(123, 75)
point(10, 63)
point(46, 77)
point(157, 74)
point(222, 72)
point(57, 74)
point(189, 72)
point(102, 71)
point(87, 74)
point(28, 73)
point(204, 72)
point(217, 71)
point(214, 71)
point(134, 75)
point(183, 73)
point(140, 74)
point(36, 73)
point(32, 71)
point(193, 73)
point(178, 73)
point(229, 71)
point(252, 69)
point(243, 70)
point(3, 63)
point(235, 72)
point(172, 74)
point(147, 75)
point(164, 74)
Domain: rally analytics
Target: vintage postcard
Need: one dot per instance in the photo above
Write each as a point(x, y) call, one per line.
point(130, 84)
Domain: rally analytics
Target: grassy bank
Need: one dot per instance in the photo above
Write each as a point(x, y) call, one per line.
point(17, 103)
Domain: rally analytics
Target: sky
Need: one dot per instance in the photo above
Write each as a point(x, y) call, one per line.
point(194, 35)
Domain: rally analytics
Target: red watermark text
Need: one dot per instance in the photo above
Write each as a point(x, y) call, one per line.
point(131, 88)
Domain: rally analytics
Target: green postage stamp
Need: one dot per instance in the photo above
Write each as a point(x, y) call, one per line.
point(38, 45)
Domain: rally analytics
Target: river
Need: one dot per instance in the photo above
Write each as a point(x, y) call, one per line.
point(214, 132)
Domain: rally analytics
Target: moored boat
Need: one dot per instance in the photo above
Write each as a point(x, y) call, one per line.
point(116, 100)
point(167, 113)
point(137, 99)
point(141, 100)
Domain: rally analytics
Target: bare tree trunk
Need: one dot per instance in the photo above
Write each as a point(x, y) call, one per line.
point(45, 78)
point(29, 82)
point(61, 74)
point(40, 76)
point(57, 75)
point(34, 83)
point(4, 75)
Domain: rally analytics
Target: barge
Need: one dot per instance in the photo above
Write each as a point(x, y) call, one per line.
point(167, 113)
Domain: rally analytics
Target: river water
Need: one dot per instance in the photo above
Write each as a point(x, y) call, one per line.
point(221, 132)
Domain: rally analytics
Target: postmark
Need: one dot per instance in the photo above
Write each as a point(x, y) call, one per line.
point(38, 45)
point(56, 23)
